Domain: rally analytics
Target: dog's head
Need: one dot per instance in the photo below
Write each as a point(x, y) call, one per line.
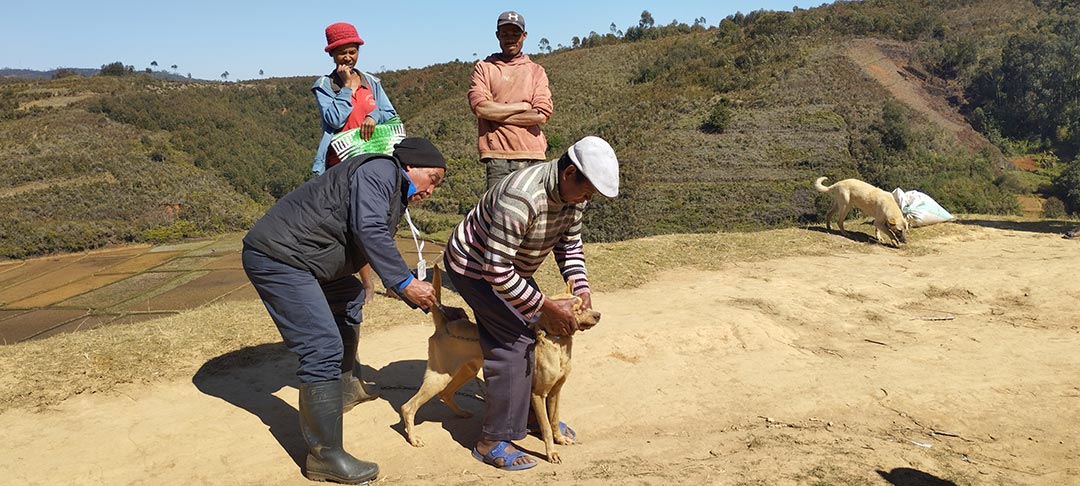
point(897, 228)
point(586, 318)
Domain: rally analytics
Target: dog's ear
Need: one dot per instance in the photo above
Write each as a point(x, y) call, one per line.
point(570, 287)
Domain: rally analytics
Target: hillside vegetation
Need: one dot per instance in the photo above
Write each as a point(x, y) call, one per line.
point(717, 127)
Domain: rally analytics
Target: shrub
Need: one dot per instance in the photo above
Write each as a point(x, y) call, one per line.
point(719, 118)
point(1053, 208)
point(959, 192)
point(1067, 187)
point(1020, 182)
point(116, 69)
point(180, 228)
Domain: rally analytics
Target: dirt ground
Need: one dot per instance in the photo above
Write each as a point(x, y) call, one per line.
point(862, 368)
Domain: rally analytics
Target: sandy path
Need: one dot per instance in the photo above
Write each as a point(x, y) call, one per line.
point(817, 370)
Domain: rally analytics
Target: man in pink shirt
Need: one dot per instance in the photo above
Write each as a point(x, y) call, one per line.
point(511, 100)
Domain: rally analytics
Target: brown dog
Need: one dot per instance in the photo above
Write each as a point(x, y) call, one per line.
point(552, 359)
point(454, 358)
point(874, 202)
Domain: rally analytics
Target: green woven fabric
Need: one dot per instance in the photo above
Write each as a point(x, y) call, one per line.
point(348, 143)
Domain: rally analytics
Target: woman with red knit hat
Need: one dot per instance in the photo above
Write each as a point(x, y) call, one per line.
point(347, 97)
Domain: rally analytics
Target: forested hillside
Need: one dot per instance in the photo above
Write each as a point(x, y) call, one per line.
point(718, 127)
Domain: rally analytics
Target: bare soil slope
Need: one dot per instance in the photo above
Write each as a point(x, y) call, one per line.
point(861, 368)
point(887, 63)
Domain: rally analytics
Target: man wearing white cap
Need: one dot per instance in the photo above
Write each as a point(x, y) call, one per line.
point(491, 257)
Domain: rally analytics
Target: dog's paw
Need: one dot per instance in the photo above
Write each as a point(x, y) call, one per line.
point(416, 441)
point(553, 457)
point(564, 440)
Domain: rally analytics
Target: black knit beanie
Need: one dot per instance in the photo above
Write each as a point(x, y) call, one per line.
point(419, 152)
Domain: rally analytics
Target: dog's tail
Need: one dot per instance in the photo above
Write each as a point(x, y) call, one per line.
point(437, 314)
point(819, 186)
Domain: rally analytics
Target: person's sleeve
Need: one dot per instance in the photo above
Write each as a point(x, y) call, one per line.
point(318, 166)
point(510, 219)
point(570, 255)
point(541, 100)
point(371, 196)
point(480, 91)
point(384, 110)
point(334, 108)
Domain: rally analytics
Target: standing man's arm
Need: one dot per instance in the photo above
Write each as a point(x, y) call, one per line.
point(541, 100)
point(483, 104)
point(539, 105)
point(520, 113)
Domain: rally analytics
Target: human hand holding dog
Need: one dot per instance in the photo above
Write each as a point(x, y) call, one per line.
point(586, 300)
point(559, 315)
point(420, 293)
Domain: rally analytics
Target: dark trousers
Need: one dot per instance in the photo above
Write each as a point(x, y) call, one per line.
point(311, 317)
point(507, 343)
point(496, 169)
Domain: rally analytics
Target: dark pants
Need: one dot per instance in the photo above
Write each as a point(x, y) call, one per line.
point(311, 317)
point(507, 343)
point(499, 168)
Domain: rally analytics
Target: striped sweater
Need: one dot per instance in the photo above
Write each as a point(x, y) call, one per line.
point(506, 237)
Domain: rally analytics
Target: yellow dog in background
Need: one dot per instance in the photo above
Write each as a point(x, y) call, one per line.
point(874, 202)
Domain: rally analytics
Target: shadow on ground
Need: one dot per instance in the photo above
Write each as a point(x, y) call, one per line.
point(1050, 226)
point(903, 476)
point(248, 378)
point(851, 235)
point(400, 380)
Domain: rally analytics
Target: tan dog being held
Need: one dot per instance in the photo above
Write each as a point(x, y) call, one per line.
point(874, 202)
point(455, 357)
point(552, 358)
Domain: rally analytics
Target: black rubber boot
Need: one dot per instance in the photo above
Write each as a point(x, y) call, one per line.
point(355, 391)
point(320, 423)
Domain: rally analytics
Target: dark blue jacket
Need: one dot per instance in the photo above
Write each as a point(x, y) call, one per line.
point(335, 223)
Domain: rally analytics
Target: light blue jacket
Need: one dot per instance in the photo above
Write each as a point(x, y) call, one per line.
point(334, 109)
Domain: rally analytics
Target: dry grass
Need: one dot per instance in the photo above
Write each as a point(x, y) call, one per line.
point(42, 373)
point(762, 305)
point(950, 293)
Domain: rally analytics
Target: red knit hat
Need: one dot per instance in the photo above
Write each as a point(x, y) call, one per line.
point(340, 34)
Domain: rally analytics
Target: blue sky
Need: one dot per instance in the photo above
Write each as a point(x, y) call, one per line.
point(285, 38)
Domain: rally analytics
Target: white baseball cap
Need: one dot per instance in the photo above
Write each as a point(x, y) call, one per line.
point(596, 159)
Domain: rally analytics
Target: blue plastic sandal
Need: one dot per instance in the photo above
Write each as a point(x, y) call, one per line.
point(499, 452)
point(565, 430)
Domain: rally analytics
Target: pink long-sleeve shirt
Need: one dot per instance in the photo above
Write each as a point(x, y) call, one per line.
point(512, 81)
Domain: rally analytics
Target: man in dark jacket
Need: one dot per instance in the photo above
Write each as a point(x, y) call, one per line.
point(302, 256)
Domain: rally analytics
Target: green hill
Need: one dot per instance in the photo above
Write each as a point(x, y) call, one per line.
point(717, 127)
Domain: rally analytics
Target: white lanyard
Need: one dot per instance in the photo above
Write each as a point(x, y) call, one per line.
point(421, 265)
